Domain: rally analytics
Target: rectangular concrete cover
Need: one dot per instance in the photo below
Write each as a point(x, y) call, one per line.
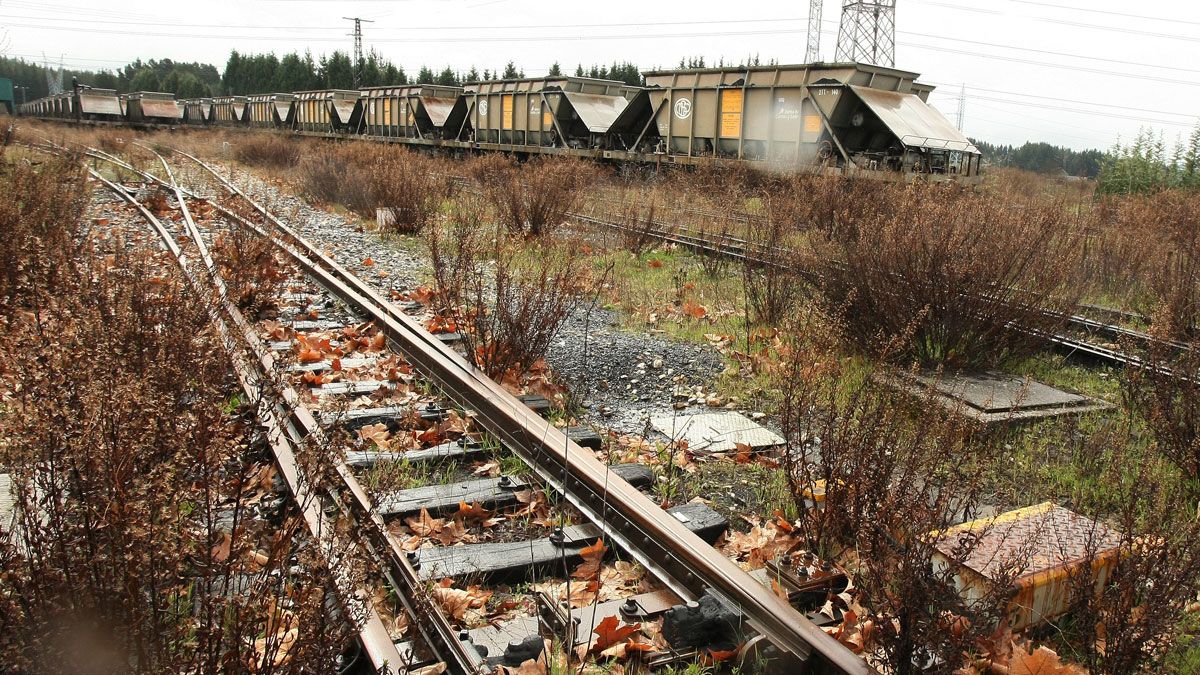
point(438, 108)
point(916, 123)
point(99, 105)
point(164, 109)
point(597, 111)
point(716, 432)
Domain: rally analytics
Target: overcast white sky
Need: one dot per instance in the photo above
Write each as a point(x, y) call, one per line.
point(1071, 72)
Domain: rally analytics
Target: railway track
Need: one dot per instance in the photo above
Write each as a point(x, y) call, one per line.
point(674, 546)
point(746, 251)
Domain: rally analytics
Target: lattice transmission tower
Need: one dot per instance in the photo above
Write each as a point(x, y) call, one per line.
point(358, 57)
point(813, 53)
point(868, 33)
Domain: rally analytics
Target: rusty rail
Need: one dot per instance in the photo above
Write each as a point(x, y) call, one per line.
point(675, 556)
point(288, 422)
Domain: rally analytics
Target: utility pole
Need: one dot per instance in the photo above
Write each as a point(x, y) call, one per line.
point(868, 33)
point(813, 53)
point(962, 105)
point(358, 57)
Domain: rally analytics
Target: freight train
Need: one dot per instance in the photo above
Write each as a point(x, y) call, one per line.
point(846, 118)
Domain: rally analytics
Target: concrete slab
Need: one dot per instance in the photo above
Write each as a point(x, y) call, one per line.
point(996, 397)
point(711, 433)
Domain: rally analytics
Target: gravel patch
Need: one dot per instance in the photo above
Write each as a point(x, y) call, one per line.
point(621, 377)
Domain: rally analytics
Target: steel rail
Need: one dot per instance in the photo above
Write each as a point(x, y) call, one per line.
point(675, 556)
point(436, 630)
point(377, 643)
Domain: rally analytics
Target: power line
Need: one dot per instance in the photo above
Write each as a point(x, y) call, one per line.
point(1108, 12)
point(1064, 22)
point(1070, 100)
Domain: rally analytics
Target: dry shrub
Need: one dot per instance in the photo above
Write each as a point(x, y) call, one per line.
point(365, 177)
point(1131, 621)
point(251, 268)
point(113, 142)
point(273, 151)
point(1147, 252)
point(147, 537)
point(770, 276)
point(324, 173)
point(508, 296)
point(40, 223)
point(954, 270)
point(538, 194)
point(893, 470)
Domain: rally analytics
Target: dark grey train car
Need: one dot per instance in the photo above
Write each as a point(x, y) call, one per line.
point(421, 111)
point(228, 111)
point(565, 112)
point(850, 116)
point(270, 111)
point(196, 111)
point(151, 107)
point(327, 110)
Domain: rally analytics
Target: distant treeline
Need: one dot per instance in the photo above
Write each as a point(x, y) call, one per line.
point(1043, 158)
point(268, 73)
point(187, 80)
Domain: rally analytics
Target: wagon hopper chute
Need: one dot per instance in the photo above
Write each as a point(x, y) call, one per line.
point(196, 110)
point(91, 104)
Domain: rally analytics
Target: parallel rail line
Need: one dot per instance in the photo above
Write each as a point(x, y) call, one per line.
point(754, 253)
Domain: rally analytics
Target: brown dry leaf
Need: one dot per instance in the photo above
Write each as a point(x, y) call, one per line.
point(612, 631)
point(424, 524)
point(220, 552)
point(435, 669)
point(453, 532)
point(694, 310)
point(310, 356)
point(1042, 661)
point(592, 556)
point(375, 433)
point(717, 655)
point(471, 511)
point(530, 667)
point(454, 601)
point(488, 469)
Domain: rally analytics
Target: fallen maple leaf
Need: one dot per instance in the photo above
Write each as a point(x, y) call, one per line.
point(1042, 661)
point(472, 510)
point(310, 356)
point(424, 524)
point(368, 262)
point(611, 631)
point(592, 556)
